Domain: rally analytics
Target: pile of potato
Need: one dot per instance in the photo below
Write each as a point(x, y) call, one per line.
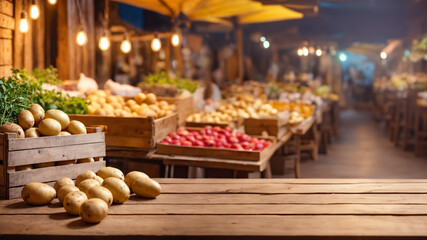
point(91, 194)
point(298, 112)
point(230, 111)
point(102, 103)
point(36, 122)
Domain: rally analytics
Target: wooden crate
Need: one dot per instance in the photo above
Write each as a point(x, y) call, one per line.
point(132, 132)
point(216, 152)
point(184, 106)
point(274, 126)
point(16, 152)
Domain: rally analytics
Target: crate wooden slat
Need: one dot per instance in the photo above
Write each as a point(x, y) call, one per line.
point(211, 152)
point(132, 132)
point(274, 126)
point(27, 151)
point(184, 106)
point(237, 124)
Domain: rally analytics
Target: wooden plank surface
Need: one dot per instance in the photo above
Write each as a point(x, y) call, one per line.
point(303, 127)
point(223, 209)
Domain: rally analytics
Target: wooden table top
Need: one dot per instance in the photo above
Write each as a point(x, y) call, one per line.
point(241, 209)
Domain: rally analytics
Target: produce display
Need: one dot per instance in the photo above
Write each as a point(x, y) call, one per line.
point(102, 103)
point(298, 112)
point(22, 89)
point(233, 110)
point(215, 137)
point(164, 85)
point(90, 198)
point(36, 123)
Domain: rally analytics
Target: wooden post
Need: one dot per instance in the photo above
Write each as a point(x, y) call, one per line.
point(178, 56)
point(73, 59)
point(167, 53)
point(7, 25)
point(238, 31)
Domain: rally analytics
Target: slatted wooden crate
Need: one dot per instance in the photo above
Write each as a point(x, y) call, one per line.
point(274, 126)
point(184, 106)
point(236, 124)
point(15, 152)
point(132, 132)
point(212, 152)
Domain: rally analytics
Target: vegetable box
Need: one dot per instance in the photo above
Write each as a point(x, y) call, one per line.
point(184, 106)
point(236, 124)
point(274, 126)
point(18, 152)
point(132, 132)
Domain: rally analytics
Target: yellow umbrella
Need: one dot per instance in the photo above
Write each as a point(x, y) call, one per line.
point(270, 13)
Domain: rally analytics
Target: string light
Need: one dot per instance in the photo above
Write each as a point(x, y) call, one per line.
point(104, 42)
point(175, 40)
point(319, 52)
point(23, 23)
point(299, 52)
point(52, 2)
point(34, 10)
point(126, 46)
point(383, 55)
point(156, 44)
point(305, 51)
point(262, 39)
point(81, 37)
point(266, 44)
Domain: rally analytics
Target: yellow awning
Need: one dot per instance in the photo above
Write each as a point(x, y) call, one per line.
point(270, 13)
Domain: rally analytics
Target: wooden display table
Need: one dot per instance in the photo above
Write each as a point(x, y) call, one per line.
point(241, 209)
point(236, 165)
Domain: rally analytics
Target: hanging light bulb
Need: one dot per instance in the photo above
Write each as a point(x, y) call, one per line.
point(383, 55)
point(156, 45)
point(175, 40)
point(126, 46)
point(104, 42)
point(23, 23)
point(81, 37)
point(299, 52)
point(34, 10)
point(319, 52)
point(305, 51)
point(52, 2)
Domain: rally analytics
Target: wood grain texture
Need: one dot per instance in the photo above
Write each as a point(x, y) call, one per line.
point(303, 127)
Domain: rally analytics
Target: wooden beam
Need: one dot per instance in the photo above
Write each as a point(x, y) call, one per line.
point(238, 31)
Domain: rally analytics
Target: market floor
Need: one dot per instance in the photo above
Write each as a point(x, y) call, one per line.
point(363, 151)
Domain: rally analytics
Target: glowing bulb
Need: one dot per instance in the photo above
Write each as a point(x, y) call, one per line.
point(383, 55)
point(299, 52)
point(262, 39)
point(104, 43)
point(266, 44)
point(305, 51)
point(81, 38)
point(175, 40)
point(125, 46)
point(156, 45)
point(343, 57)
point(23, 23)
point(318, 52)
point(52, 2)
point(34, 11)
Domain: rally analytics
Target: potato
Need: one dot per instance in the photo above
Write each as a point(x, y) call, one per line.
point(24, 167)
point(93, 210)
point(107, 172)
point(37, 193)
point(101, 193)
point(43, 165)
point(59, 116)
point(62, 182)
point(49, 127)
point(64, 133)
point(32, 133)
point(146, 187)
point(85, 160)
point(26, 119)
point(140, 98)
point(88, 184)
point(85, 175)
point(76, 127)
point(73, 201)
point(68, 162)
point(38, 113)
point(12, 128)
point(64, 190)
point(118, 188)
point(99, 179)
point(132, 176)
point(151, 99)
